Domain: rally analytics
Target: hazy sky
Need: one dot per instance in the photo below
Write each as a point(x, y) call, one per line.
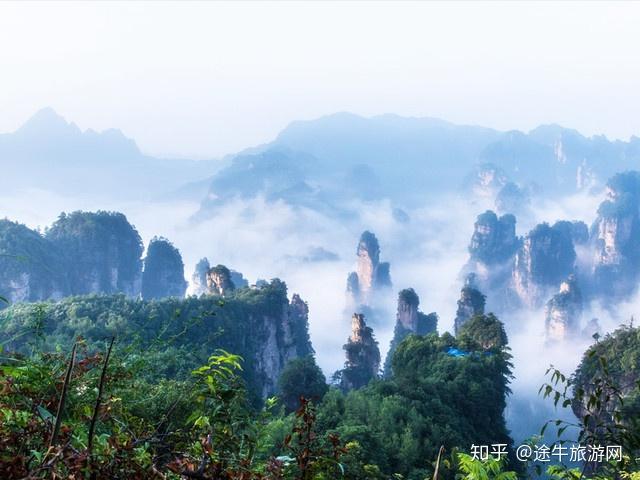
point(205, 79)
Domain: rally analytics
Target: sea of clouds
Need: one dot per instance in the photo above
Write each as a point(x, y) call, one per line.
point(264, 240)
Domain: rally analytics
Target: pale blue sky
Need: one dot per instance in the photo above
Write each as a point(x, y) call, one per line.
point(205, 79)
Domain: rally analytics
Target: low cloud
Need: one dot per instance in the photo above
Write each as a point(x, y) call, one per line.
point(267, 240)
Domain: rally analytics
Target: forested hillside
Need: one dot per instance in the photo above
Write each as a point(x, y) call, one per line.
point(177, 335)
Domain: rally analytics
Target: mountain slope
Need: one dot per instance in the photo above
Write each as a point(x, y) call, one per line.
point(49, 153)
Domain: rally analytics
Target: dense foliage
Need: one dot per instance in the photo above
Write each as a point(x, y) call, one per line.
point(433, 398)
point(301, 377)
point(163, 274)
point(30, 267)
point(549, 255)
point(202, 425)
point(95, 245)
point(246, 322)
point(604, 393)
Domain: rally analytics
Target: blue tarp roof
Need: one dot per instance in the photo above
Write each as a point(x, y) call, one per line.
point(454, 352)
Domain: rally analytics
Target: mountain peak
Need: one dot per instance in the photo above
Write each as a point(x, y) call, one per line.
point(47, 122)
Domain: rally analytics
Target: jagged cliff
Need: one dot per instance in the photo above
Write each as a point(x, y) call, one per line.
point(30, 266)
point(259, 324)
point(485, 181)
point(520, 272)
point(470, 304)
point(219, 280)
point(214, 280)
point(546, 257)
point(163, 274)
point(282, 334)
point(409, 320)
point(85, 253)
point(491, 256)
point(363, 356)
point(101, 250)
point(370, 275)
point(607, 381)
point(529, 272)
point(564, 311)
point(615, 236)
point(199, 277)
point(494, 239)
point(576, 230)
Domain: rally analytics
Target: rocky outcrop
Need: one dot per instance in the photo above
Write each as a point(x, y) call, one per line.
point(101, 250)
point(409, 319)
point(616, 238)
point(363, 356)
point(606, 384)
point(200, 285)
point(163, 274)
point(525, 272)
point(219, 280)
point(471, 303)
point(546, 257)
point(564, 311)
point(280, 337)
point(485, 181)
point(576, 230)
point(370, 276)
point(31, 268)
point(494, 239)
point(199, 278)
point(519, 272)
point(261, 325)
point(491, 256)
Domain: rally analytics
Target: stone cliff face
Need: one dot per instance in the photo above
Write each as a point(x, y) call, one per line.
point(81, 253)
point(259, 324)
point(616, 238)
point(494, 238)
point(30, 267)
point(219, 280)
point(528, 272)
point(363, 356)
point(564, 311)
point(163, 274)
point(491, 256)
point(371, 275)
point(471, 303)
point(576, 230)
point(545, 258)
point(205, 280)
point(199, 277)
point(281, 336)
point(486, 181)
point(518, 272)
point(591, 380)
point(102, 252)
point(409, 320)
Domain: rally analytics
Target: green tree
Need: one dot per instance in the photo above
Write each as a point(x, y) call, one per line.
point(301, 377)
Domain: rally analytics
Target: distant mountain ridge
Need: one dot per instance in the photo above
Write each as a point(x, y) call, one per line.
point(343, 157)
point(50, 153)
point(322, 164)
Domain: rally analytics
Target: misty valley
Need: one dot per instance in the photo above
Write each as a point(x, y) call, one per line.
point(360, 298)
